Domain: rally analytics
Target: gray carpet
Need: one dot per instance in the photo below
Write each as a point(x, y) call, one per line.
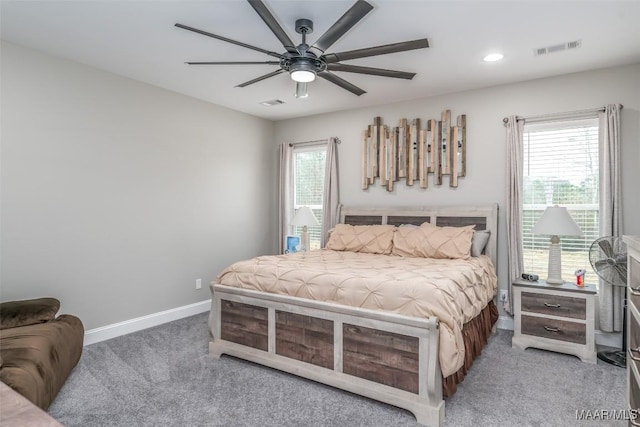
point(163, 376)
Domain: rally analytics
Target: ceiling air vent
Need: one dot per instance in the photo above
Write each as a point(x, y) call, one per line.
point(272, 102)
point(557, 48)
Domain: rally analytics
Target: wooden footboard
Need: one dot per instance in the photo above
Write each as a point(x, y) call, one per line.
point(376, 354)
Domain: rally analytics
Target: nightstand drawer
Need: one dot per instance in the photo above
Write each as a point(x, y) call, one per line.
point(634, 391)
point(555, 305)
point(634, 340)
point(554, 329)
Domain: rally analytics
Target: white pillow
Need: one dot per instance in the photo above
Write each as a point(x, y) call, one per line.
point(479, 242)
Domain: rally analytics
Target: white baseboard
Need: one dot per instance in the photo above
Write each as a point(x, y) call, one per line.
point(609, 339)
point(602, 338)
point(103, 333)
point(505, 322)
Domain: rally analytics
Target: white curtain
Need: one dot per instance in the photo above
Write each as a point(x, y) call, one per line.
point(515, 148)
point(284, 195)
point(610, 297)
point(331, 197)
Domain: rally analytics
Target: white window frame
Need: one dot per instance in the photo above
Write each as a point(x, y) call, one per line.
point(560, 123)
point(320, 146)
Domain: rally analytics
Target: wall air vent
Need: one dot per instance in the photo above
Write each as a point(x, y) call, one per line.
point(272, 102)
point(539, 51)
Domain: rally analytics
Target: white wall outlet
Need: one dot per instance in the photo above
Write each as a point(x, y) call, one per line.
point(503, 295)
point(198, 283)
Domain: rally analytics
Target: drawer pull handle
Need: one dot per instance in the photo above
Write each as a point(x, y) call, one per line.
point(550, 329)
point(546, 304)
point(635, 291)
point(631, 355)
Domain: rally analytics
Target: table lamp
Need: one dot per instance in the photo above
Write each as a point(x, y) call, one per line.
point(556, 221)
point(304, 218)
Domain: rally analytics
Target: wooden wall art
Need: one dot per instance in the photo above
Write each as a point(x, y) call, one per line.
point(412, 151)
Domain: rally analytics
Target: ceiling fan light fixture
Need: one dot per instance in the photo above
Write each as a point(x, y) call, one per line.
point(303, 76)
point(302, 70)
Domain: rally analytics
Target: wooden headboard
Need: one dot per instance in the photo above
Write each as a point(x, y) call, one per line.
point(485, 217)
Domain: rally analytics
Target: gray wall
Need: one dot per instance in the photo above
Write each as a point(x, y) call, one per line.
point(117, 195)
point(486, 155)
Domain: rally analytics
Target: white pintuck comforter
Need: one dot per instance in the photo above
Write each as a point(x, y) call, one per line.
point(453, 290)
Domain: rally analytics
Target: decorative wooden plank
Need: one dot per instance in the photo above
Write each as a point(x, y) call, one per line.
point(403, 149)
point(412, 169)
point(438, 154)
point(365, 163)
point(453, 175)
point(371, 175)
point(430, 143)
point(393, 158)
point(462, 124)
point(380, 356)
point(304, 338)
point(422, 158)
point(382, 155)
point(445, 136)
point(244, 324)
point(374, 152)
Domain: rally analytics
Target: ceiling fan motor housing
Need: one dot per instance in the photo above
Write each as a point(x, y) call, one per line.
point(304, 26)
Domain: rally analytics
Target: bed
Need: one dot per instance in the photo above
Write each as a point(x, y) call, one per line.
point(368, 323)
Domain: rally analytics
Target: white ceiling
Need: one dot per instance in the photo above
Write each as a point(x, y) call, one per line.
point(137, 39)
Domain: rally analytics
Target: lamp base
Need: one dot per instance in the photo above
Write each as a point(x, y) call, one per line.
point(554, 270)
point(304, 239)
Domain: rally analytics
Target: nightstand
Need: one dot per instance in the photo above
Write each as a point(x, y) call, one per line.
point(555, 317)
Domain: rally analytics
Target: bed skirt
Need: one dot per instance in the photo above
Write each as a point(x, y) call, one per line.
point(475, 333)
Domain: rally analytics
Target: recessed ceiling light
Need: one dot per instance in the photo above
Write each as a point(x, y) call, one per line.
point(493, 57)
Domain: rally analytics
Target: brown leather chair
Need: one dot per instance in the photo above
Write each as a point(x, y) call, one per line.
point(38, 350)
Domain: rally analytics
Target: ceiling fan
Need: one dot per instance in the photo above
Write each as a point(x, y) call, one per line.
point(304, 62)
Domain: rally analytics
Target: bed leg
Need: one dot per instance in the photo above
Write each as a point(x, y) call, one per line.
point(215, 350)
point(430, 416)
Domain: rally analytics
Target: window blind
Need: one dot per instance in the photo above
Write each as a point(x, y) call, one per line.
point(561, 166)
point(308, 180)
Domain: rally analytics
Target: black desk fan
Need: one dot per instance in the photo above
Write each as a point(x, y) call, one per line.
point(608, 257)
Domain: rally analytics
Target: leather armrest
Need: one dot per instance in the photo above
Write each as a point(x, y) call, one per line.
point(27, 312)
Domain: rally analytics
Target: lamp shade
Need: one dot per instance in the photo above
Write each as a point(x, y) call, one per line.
point(303, 217)
point(556, 221)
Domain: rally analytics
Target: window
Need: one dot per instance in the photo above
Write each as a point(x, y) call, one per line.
point(560, 167)
point(308, 186)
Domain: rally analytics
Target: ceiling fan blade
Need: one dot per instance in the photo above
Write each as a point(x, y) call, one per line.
point(377, 50)
point(350, 18)
point(341, 82)
point(368, 70)
point(258, 79)
point(224, 39)
point(273, 25)
point(234, 63)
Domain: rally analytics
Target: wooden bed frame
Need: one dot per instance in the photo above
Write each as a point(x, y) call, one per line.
point(377, 354)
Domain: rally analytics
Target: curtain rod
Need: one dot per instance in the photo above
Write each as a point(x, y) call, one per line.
point(568, 114)
point(292, 144)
